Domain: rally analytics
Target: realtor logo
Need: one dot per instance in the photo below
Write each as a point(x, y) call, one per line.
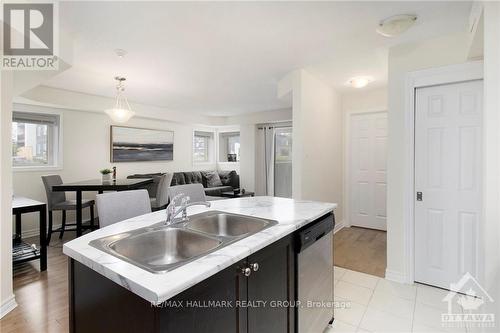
point(29, 41)
point(470, 296)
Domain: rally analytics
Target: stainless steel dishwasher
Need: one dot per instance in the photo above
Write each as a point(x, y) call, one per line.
point(315, 275)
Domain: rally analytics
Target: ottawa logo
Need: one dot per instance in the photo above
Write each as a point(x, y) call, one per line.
point(470, 296)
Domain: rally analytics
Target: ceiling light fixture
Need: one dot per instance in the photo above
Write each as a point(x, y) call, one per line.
point(122, 112)
point(360, 81)
point(396, 25)
point(120, 53)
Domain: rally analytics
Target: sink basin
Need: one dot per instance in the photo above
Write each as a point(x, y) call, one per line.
point(226, 225)
point(158, 249)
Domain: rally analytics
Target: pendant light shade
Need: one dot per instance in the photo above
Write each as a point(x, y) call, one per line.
point(122, 112)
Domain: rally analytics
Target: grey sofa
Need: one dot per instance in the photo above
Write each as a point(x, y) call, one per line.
point(229, 180)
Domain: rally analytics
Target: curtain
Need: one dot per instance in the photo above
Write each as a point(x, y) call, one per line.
point(264, 173)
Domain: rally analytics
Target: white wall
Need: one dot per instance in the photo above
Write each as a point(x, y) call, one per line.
point(260, 117)
point(364, 101)
point(7, 301)
point(86, 150)
point(247, 157)
point(79, 101)
point(229, 165)
point(317, 140)
point(403, 59)
point(491, 230)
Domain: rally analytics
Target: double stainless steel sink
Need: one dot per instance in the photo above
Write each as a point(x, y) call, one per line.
point(160, 249)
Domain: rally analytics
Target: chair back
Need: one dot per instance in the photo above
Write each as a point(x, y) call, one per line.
point(162, 189)
point(118, 206)
point(195, 192)
point(53, 198)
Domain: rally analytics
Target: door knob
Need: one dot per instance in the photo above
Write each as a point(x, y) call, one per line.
point(254, 266)
point(246, 271)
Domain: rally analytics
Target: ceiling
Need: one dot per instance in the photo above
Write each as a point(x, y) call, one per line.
point(225, 58)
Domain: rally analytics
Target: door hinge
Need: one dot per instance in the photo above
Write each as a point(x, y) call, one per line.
point(419, 196)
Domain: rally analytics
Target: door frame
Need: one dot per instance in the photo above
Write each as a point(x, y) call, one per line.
point(347, 159)
point(469, 71)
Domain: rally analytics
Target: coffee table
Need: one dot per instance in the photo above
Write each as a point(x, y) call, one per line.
point(237, 194)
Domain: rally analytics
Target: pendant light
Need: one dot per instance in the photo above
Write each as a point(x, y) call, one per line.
point(122, 112)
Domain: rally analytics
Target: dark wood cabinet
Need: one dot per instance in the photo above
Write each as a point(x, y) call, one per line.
point(209, 306)
point(224, 302)
point(274, 284)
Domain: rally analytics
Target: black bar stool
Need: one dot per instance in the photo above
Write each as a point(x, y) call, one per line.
point(57, 201)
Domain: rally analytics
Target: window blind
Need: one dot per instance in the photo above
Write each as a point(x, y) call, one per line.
point(35, 118)
point(203, 134)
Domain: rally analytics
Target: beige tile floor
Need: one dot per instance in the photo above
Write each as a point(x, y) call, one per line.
point(379, 305)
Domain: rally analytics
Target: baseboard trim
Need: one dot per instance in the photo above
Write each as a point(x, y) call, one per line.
point(395, 276)
point(338, 226)
point(7, 306)
point(35, 232)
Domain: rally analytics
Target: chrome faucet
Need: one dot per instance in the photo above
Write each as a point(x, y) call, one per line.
point(172, 212)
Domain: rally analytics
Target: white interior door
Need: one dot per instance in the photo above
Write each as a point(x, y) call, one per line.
point(448, 163)
point(368, 137)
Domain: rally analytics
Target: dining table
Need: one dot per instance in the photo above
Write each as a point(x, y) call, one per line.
point(100, 186)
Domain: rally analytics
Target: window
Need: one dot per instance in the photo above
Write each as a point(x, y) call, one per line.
point(202, 142)
point(283, 145)
point(229, 147)
point(35, 140)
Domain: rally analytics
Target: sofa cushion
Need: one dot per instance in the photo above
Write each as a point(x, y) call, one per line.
point(178, 179)
point(228, 178)
point(216, 191)
point(211, 178)
point(193, 177)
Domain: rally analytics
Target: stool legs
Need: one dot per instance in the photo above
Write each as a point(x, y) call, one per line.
point(63, 225)
point(49, 233)
point(92, 216)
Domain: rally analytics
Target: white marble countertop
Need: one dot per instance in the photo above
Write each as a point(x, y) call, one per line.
point(19, 202)
point(156, 288)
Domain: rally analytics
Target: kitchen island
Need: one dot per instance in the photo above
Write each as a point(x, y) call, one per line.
point(211, 293)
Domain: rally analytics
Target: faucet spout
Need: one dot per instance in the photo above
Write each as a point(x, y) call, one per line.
point(198, 203)
point(172, 212)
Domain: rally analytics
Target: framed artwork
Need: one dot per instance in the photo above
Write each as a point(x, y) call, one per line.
point(131, 144)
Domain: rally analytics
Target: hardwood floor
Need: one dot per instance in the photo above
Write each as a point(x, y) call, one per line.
point(42, 298)
point(362, 250)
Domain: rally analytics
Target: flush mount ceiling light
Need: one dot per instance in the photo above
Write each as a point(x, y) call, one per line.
point(122, 112)
point(360, 81)
point(120, 53)
point(396, 25)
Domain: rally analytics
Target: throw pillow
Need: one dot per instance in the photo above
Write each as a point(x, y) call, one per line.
point(226, 177)
point(212, 178)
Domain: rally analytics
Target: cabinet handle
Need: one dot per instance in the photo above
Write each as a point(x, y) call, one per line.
point(254, 266)
point(246, 271)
